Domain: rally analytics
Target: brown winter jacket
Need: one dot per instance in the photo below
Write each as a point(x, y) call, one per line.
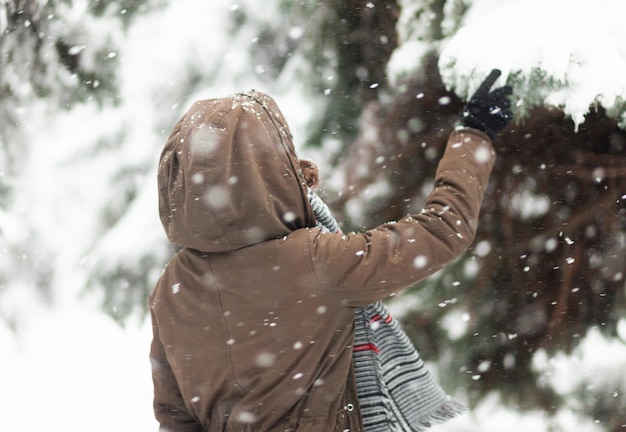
point(253, 317)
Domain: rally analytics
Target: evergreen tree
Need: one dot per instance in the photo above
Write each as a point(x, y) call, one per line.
point(548, 263)
point(54, 55)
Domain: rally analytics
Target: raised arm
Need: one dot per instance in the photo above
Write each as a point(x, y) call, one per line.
point(365, 267)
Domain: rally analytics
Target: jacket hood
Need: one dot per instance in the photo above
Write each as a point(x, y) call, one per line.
point(229, 176)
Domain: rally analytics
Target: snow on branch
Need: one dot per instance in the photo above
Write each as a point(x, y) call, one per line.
point(569, 54)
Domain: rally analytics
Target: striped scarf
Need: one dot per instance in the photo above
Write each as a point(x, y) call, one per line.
point(397, 393)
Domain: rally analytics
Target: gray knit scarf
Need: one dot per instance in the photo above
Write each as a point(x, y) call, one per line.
point(396, 391)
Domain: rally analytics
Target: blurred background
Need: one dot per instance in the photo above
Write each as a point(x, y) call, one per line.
point(528, 327)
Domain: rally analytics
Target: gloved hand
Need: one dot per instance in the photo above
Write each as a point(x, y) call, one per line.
point(488, 111)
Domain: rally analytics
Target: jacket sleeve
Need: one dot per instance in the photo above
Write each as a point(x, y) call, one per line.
point(365, 267)
point(169, 407)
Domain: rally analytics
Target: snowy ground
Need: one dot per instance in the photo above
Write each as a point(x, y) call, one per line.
point(73, 369)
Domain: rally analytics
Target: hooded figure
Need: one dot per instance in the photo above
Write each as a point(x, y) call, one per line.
point(253, 318)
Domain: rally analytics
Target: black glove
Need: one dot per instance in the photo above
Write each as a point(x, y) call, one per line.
point(488, 111)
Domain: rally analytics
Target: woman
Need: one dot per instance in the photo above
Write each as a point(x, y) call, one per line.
point(253, 318)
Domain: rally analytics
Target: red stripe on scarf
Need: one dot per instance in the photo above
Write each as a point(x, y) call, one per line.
point(365, 347)
point(378, 318)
